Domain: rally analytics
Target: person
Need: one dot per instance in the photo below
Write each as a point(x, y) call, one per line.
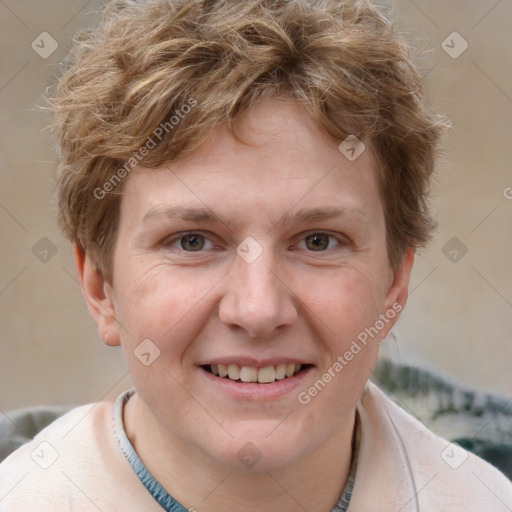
point(245, 185)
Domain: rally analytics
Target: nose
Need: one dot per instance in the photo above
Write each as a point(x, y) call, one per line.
point(257, 298)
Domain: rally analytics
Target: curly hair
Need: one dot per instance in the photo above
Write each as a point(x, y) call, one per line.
point(150, 83)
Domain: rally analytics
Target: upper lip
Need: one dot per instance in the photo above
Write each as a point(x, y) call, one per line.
point(252, 362)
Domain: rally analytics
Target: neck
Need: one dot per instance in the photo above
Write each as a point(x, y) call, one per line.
point(313, 483)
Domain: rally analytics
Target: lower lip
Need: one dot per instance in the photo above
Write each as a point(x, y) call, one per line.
point(255, 390)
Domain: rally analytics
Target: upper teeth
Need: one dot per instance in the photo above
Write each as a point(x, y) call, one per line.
point(266, 374)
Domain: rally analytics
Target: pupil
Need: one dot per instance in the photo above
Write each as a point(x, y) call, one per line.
point(318, 242)
point(191, 242)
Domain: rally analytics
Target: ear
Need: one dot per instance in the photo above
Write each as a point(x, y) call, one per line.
point(98, 296)
point(398, 291)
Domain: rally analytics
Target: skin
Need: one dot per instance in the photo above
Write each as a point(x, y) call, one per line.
point(291, 302)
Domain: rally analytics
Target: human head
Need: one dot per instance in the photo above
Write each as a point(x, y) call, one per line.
point(253, 253)
point(161, 75)
point(259, 93)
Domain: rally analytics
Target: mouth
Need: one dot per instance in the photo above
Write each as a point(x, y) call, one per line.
point(251, 374)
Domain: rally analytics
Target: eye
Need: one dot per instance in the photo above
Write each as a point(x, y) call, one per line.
point(190, 242)
point(319, 242)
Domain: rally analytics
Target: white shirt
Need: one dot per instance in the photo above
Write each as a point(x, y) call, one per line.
point(76, 464)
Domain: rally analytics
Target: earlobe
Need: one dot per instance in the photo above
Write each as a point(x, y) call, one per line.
point(98, 296)
point(397, 293)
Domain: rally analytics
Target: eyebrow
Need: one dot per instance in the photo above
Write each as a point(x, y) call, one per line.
point(207, 215)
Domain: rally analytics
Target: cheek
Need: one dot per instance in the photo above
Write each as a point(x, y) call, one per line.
point(348, 306)
point(168, 308)
point(163, 304)
point(344, 309)
point(345, 300)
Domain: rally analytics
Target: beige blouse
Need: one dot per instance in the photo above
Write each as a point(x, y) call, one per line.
point(76, 464)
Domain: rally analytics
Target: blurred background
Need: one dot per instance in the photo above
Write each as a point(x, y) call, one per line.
point(458, 320)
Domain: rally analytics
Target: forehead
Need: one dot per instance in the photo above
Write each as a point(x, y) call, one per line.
point(276, 131)
point(279, 161)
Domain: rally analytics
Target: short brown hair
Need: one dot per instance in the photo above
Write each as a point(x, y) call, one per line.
point(148, 59)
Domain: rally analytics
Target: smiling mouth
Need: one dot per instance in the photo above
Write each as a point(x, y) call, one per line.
point(265, 375)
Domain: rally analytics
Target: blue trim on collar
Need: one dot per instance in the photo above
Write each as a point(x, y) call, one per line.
point(166, 501)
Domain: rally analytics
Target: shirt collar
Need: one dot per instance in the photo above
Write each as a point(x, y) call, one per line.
point(166, 501)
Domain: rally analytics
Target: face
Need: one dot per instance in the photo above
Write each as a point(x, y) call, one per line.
point(258, 258)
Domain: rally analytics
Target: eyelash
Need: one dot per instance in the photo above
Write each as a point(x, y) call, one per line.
point(341, 241)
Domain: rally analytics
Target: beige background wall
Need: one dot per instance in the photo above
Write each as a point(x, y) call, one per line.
point(459, 317)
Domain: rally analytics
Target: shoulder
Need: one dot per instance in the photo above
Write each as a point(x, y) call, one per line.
point(73, 464)
point(442, 475)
